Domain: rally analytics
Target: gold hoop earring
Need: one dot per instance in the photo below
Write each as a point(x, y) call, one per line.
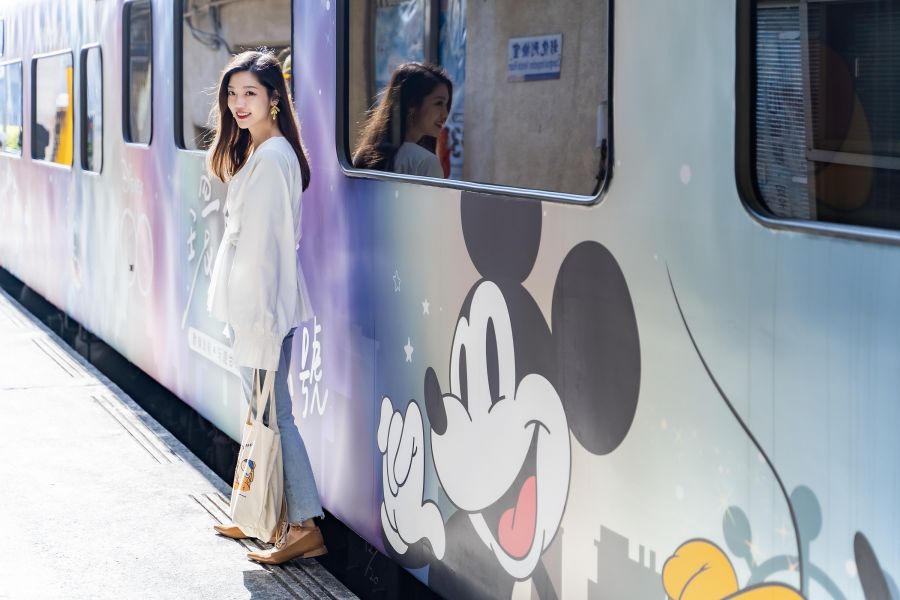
point(274, 112)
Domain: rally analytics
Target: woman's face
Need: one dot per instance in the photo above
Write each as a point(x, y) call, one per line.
point(430, 117)
point(248, 100)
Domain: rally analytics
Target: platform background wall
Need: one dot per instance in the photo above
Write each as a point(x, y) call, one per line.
point(508, 125)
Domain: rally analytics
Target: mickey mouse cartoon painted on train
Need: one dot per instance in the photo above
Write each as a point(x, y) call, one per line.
point(521, 391)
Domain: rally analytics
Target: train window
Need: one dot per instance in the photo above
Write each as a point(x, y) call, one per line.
point(827, 128)
point(11, 108)
point(530, 91)
point(210, 33)
point(137, 64)
point(91, 109)
point(52, 114)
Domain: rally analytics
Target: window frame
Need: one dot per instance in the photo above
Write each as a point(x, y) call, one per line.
point(2, 37)
point(745, 138)
point(82, 112)
point(178, 95)
point(21, 154)
point(31, 121)
point(342, 140)
point(126, 73)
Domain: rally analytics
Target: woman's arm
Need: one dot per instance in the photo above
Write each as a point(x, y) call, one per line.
point(263, 259)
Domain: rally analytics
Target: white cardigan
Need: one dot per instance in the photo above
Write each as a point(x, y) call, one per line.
point(256, 285)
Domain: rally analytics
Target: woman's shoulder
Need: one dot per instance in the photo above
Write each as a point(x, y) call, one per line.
point(277, 151)
point(274, 147)
point(413, 159)
point(413, 151)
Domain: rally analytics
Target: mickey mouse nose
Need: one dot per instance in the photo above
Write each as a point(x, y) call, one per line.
point(434, 402)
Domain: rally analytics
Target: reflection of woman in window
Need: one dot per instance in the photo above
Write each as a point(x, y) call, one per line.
point(256, 286)
point(402, 130)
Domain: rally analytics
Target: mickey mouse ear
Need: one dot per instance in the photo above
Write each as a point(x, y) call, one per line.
point(502, 235)
point(597, 347)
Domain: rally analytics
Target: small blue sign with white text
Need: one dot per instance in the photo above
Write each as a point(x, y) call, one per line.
point(534, 58)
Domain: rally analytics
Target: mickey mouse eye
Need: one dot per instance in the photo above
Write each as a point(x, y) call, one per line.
point(463, 379)
point(492, 361)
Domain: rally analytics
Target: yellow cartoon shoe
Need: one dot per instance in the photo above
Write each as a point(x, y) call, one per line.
point(699, 570)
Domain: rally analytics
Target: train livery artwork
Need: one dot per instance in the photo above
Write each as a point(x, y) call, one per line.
point(639, 343)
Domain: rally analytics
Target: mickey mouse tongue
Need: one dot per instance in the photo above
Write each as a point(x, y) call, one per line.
point(516, 530)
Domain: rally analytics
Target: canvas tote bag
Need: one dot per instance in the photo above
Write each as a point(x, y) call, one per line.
point(258, 488)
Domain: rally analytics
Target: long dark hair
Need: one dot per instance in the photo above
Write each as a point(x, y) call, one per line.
point(385, 128)
point(230, 148)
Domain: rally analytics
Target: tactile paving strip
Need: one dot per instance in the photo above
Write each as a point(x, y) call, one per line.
point(145, 438)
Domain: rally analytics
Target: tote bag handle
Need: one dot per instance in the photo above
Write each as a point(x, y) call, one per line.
point(264, 397)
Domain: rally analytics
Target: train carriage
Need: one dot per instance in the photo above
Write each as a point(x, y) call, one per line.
point(638, 343)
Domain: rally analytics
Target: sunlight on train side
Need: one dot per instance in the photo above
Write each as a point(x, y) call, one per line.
point(11, 108)
point(211, 33)
point(826, 119)
point(530, 97)
point(52, 119)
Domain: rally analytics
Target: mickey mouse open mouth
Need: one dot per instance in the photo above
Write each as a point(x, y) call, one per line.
point(513, 517)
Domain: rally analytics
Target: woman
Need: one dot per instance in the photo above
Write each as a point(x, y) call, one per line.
point(403, 129)
point(257, 287)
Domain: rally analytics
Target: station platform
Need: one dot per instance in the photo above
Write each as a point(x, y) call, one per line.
point(100, 501)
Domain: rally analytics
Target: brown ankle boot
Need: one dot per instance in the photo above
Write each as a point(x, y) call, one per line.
point(234, 532)
point(302, 540)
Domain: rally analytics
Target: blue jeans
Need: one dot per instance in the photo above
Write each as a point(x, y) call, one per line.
point(299, 482)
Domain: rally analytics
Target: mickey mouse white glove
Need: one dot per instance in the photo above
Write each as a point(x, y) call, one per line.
point(405, 516)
